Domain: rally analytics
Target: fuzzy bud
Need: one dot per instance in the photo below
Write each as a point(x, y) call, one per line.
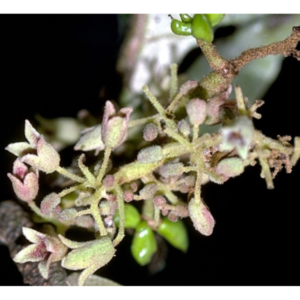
point(150, 154)
point(108, 181)
point(184, 128)
point(68, 215)
point(150, 132)
point(25, 183)
point(188, 87)
point(230, 167)
point(159, 201)
point(47, 158)
point(148, 191)
point(201, 217)
point(172, 216)
point(196, 110)
point(114, 127)
point(85, 221)
point(49, 203)
point(90, 140)
point(128, 195)
point(172, 169)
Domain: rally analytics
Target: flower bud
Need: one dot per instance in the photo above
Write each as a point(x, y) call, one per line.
point(108, 181)
point(114, 127)
point(150, 154)
point(188, 87)
point(128, 195)
point(230, 167)
point(90, 140)
point(148, 191)
point(150, 132)
point(201, 217)
point(159, 201)
point(196, 110)
point(172, 169)
point(49, 203)
point(47, 158)
point(184, 128)
point(68, 215)
point(25, 183)
point(85, 221)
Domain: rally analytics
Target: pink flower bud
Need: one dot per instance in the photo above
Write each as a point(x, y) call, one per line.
point(197, 110)
point(49, 203)
point(201, 217)
point(114, 126)
point(150, 132)
point(108, 181)
point(47, 158)
point(25, 183)
point(188, 87)
point(160, 201)
point(45, 250)
point(148, 191)
point(90, 140)
point(128, 195)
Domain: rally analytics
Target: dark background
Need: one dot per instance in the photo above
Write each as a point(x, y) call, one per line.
point(56, 65)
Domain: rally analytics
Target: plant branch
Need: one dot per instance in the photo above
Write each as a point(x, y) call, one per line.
point(224, 71)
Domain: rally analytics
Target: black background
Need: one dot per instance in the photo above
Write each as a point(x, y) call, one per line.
point(56, 65)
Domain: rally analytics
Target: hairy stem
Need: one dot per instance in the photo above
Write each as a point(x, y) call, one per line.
point(70, 175)
point(101, 173)
point(121, 208)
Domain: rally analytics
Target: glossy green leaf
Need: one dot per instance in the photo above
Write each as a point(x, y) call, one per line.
point(144, 244)
point(175, 233)
point(201, 28)
point(132, 217)
point(186, 18)
point(181, 28)
point(214, 19)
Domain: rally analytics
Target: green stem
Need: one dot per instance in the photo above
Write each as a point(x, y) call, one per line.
point(156, 216)
point(95, 212)
point(70, 175)
point(142, 121)
point(174, 81)
point(215, 60)
point(61, 228)
point(121, 209)
point(197, 192)
point(70, 190)
point(173, 105)
point(101, 173)
point(84, 212)
point(195, 132)
point(154, 101)
point(176, 136)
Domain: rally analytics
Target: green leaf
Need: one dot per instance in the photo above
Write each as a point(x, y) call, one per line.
point(144, 244)
point(175, 233)
point(132, 217)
